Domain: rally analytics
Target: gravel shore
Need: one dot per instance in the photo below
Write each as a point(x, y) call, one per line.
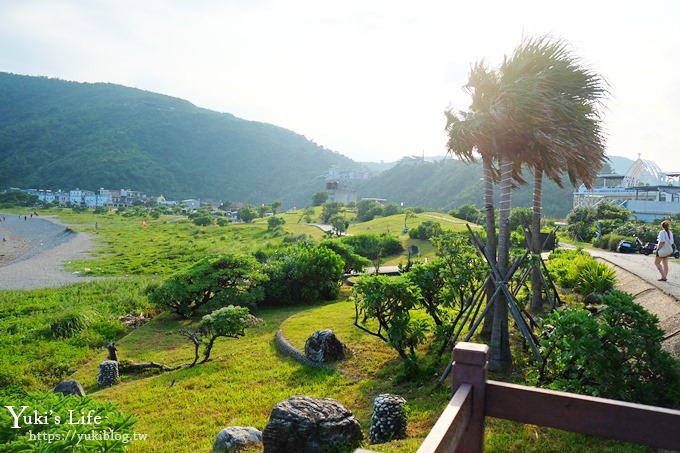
point(33, 250)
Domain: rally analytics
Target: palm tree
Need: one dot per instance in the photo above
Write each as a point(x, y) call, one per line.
point(561, 110)
point(469, 132)
point(539, 109)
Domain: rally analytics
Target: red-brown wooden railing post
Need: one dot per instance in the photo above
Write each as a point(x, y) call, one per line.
point(469, 367)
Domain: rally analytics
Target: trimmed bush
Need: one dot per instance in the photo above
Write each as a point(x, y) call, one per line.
point(613, 353)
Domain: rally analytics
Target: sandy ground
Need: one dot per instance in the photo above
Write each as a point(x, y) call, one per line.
point(33, 251)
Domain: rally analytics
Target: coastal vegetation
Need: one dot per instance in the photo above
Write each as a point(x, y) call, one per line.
point(51, 334)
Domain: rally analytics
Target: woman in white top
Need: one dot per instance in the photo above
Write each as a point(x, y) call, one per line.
point(665, 235)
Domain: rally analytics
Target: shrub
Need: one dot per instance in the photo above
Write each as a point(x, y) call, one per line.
point(611, 241)
point(216, 282)
point(373, 246)
point(353, 262)
point(595, 277)
point(69, 324)
point(203, 220)
point(303, 274)
point(425, 230)
point(564, 266)
point(614, 353)
point(387, 302)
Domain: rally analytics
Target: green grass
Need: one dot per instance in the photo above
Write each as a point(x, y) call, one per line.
point(183, 410)
point(46, 334)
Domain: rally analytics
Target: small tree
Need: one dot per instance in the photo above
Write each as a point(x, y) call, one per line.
point(303, 274)
point(388, 301)
point(247, 213)
point(274, 222)
point(319, 198)
point(275, 206)
point(339, 224)
point(368, 210)
point(229, 321)
point(329, 210)
point(353, 261)
point(467, 212)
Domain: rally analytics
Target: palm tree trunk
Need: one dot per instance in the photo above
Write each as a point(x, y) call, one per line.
point(536, 245)
point(500, 358)
point(490, 239)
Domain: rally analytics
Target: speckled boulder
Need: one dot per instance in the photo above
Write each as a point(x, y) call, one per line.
point(304, 424)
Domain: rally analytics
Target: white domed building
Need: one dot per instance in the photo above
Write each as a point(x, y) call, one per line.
point(645, 190)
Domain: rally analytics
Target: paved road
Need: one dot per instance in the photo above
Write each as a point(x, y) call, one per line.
point(638, 276)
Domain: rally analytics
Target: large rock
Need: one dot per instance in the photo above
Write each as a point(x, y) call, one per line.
point(388, 420)
point(324, 347)
point(70, 387)
point(235, 438)
point(304, 424)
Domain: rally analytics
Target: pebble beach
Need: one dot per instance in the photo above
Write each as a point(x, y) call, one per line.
point(33, 250)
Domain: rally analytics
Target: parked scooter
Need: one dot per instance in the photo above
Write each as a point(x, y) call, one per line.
point(648, 248)
point(626, 246)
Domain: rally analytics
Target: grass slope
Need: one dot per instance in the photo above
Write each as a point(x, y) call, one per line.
point(183, 410)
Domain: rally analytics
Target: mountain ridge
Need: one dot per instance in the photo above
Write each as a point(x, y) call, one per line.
point(56, 134)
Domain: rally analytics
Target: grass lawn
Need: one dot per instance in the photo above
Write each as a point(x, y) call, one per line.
point(183, 410)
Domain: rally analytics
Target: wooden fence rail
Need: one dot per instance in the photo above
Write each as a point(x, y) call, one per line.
point(460, 428)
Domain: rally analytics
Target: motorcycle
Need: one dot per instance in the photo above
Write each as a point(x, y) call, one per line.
point(626, 246)
point(650, 248)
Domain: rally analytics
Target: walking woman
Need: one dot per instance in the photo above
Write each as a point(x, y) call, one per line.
point(664, 249)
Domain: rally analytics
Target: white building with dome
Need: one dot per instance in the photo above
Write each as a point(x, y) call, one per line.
point(649, 193)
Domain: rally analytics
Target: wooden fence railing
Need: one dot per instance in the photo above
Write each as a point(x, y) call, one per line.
point(460, 428)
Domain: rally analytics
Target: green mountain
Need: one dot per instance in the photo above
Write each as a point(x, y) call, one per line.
point(56, 134)
point(450, 183)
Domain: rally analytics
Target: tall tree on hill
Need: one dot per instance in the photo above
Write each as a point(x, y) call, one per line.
point(555, 106)
point(470, 132)
point(539, 109)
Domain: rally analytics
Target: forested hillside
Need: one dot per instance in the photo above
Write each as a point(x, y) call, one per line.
point(451, 183)
point(64, 135)
point(61, 135)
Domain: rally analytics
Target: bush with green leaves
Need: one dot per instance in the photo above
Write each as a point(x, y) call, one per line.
point(303, 274)
point(425, 230)
point(595, 277)
point(274, 222)
point(645, 231)
point(353, 261)
point(203, 220)
point(612, 353)
point(109, 429)
point(330, 209)
point(468, 212)
point(383, 309)
point(368, 210)
point(229, 321)
point(564, 266)
point(374, 246)
point(68, 324)
point(212, 283)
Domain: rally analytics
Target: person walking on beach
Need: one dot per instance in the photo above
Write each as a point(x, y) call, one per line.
point(665, 238)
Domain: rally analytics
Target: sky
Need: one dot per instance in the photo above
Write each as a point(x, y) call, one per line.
point(370, 79)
